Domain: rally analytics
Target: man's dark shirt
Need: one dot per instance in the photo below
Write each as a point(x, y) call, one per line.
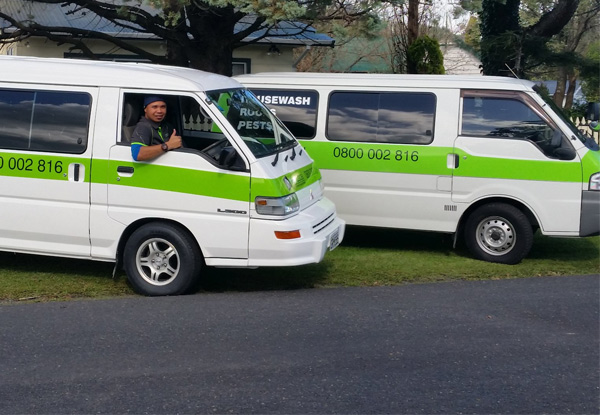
point(148, 133)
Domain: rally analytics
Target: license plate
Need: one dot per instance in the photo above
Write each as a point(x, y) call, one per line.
point(334, 239)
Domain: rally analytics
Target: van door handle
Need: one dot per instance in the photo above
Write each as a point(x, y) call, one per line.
point(125, 169)
point(452, 161)
point(76, 172)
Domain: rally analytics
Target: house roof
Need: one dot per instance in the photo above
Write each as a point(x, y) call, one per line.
point(71, 17)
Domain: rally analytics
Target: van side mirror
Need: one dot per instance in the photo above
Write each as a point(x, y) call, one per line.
point(565, 153)
point(592, 111)
point(556, 139)
point(228, 159)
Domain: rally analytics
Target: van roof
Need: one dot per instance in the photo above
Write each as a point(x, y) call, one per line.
point(385, 80)
point(79, 72)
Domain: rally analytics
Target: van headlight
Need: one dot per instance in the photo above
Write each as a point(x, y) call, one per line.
point(595, 181)
point(277, 206)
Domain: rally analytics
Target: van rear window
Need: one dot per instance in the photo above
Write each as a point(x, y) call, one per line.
point(49, 121)
point(297, 109)
point(398, 117)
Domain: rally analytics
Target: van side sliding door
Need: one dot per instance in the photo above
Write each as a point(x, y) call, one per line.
point(45, 169)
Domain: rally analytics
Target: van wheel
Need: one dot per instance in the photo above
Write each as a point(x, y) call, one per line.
point(499, 232)
point(161, 259)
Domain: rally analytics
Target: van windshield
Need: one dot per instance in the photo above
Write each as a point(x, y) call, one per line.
point(260, 129)
point(585, 139)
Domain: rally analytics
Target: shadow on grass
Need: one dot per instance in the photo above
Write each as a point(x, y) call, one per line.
point(399, 239)
point(565, 249)
point(544, 247)
point(39, 264)
point(262, 279)
point(583, 253)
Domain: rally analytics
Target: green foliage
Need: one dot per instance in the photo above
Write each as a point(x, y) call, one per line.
point(500, 35)
point(425, 56)
point(577, 110)
point(591, 74)
point(473, 34)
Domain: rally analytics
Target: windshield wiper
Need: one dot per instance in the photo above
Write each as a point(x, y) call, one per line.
point(283, 146)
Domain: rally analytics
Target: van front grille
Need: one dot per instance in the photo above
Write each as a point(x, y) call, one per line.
point(324, 223)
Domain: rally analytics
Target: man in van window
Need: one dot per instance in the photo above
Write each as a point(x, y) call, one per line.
point(152, 135)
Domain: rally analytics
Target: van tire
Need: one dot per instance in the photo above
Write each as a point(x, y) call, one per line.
point(161, 259)
point(499, 232)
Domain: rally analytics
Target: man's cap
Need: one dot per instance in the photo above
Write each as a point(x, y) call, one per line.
point(152, 98)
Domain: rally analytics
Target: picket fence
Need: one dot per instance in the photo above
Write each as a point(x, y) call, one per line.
point(198, 122)
point(584, 125)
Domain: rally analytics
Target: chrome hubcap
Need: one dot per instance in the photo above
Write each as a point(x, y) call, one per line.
point(157, 261)
point(496, 236)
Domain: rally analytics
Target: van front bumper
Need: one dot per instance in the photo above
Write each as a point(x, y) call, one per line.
point(320, 229)
point(590, 214)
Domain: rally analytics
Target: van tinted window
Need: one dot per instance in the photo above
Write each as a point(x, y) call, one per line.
point(499, 117)
point(44, 120)
point(403, 117)
point(508, 118)
point(297, 109)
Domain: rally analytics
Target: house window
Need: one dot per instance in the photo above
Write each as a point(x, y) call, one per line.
point(240, 66)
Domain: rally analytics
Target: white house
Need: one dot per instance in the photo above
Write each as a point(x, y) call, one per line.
point(271, 53)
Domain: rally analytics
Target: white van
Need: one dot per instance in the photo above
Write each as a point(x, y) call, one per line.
point(234, 196)
point(484, 157)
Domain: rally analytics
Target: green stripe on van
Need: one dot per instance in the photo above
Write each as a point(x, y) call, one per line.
point(383, 158)
point(286, 184)
point(212, 184)
point(38, 166)
point(503, 168)
point(591, 164)
point(151, 176)
point(410, 159)
point(174, 179)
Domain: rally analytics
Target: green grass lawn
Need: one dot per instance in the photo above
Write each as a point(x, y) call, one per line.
point(367, 257)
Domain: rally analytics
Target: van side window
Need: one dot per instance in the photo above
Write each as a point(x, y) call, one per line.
point(402, 118)
point(498, 117)
point(297, 109)
point(44, 120)
point(184, 114)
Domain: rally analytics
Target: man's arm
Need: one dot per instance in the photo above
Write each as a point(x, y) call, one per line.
point(142, 152)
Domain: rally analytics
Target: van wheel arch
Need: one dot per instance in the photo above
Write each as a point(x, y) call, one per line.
point(141, 222)
point(523, 220)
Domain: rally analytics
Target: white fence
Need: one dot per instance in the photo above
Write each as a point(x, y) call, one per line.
point(197, 122)
point(584, 125)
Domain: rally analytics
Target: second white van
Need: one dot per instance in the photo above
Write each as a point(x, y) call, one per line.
point(488, 158)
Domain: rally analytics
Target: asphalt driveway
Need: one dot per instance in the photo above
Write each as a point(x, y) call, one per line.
point(523, 346)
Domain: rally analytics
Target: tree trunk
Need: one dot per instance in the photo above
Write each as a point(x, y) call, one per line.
point(214, 56)
point(572, 77)
point(413, 21)
point(412, 33)
point(561, 85)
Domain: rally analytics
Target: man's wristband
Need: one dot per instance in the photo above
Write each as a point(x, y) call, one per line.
point(164, 147)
